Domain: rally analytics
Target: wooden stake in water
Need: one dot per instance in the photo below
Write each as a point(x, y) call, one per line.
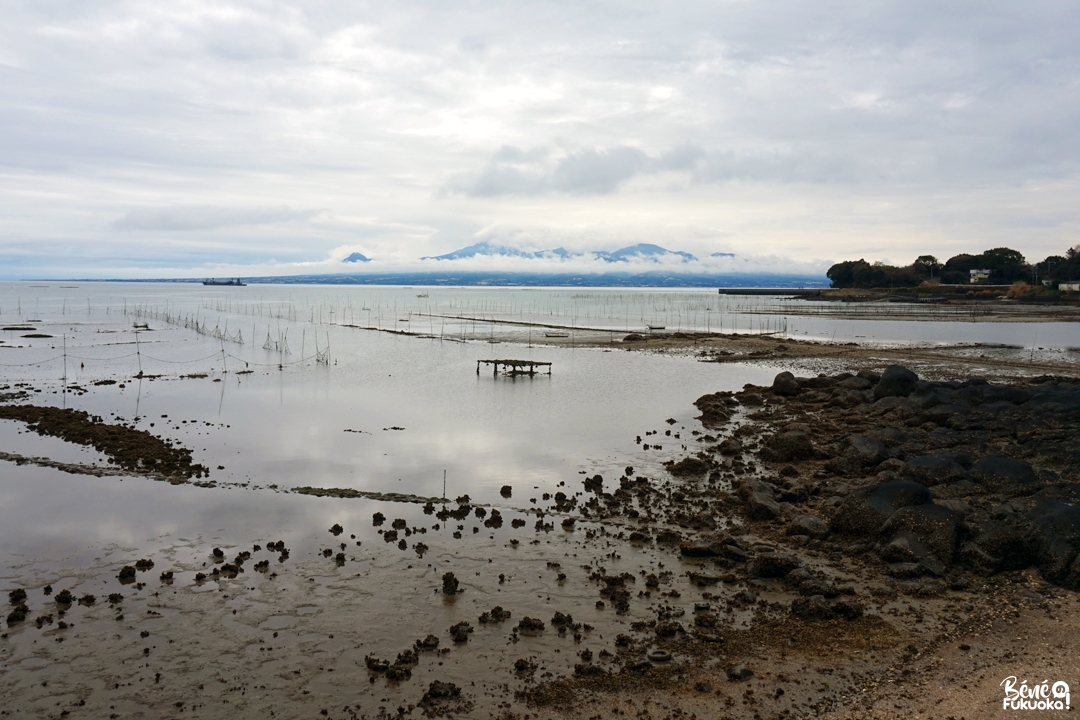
point(444, 484)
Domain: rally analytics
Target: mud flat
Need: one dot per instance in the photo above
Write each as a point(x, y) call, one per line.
point(866, 544)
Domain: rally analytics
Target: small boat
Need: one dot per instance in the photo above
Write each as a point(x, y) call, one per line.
point(556, 334)
point(655, 327)
point(422, 295)
point(224, 283)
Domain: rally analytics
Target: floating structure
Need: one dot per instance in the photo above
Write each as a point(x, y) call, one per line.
point(224, 283)
point(514, 367)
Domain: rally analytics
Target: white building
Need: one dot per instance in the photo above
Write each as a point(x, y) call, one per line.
point(980, 276)
point(1069, 287)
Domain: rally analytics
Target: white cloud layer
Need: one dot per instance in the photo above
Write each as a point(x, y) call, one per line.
point(162, 139)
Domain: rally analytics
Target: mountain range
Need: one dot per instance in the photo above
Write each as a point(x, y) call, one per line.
point(646, 251)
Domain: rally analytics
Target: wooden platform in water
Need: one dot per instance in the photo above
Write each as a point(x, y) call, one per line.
point(514, 367)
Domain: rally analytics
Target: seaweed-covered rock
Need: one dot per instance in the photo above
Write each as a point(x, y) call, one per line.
point(790, 446)
point(1002, 473)
point(786, 384)
point(896, 381)
point(865, 510)
point(810, 525)
point(773, 565)
point(450, 584)
point(935, 526)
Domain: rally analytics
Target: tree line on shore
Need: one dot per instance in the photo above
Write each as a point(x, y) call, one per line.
point(1005, 266)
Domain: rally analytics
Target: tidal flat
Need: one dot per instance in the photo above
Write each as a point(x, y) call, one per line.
point(273, 505)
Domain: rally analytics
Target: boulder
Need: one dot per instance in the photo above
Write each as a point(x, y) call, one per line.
point(865, 510)
point(786, 384)
point(811, 608)
point(896, 381)
point(865, 450)
point(934, 469)
point(773, 565)
point(1055, 534)
point(790, 446)
point(810, 525)
point(1003, 473)
point(760, 506)
point(934, 526)
point(730, 446)
point(1005, 548)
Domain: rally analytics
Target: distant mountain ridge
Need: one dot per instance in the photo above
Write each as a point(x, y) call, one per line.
point(645, 251)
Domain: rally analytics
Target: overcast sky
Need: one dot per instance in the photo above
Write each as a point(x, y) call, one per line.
point(190, 138)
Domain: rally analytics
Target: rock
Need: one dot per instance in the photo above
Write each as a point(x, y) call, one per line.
point(933, 470)
point(773, 565)
point(740, 672)
point(790, 446)
point(701, 549)
point(811, 608)
point(1002, 473)
point(528, 624)
point(495, 615)
point(635, 337)
point(935, 526)
point(786, 384)
point(855, 383)
point(848, 609)
point(904, 548)
point(449, 584)
point(17, 596)
point(431, 642)
point(459, 632)
point(1055, 527)
point(762, 507)
point(810, 525)
point(439, 690)
point(506, 491)
point(714, 409)
point(126, 573)
point(1005, 548)
point(865, 510)
point(336, 530)
point(865, 450)
point(896, 381)
point(689, 466)
point(730, 446)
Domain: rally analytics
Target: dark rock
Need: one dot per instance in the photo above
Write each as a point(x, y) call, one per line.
point(1007, 548)
point(760, 506)
point(431, 642)
point(810, 525)
point(689, 466)
point(1000, 472)
point(460, 631)
point(865, 450)
point(730, 446)
point(811, 608)
point(701, 549)
point(528, 624)
point(450, 584)
point(336, 530)
point(786, 384)
point(495, 615)
point(17, 596)
point(790, 446)
point(773, 565)
point(934, 469)
point(847, 609)
point(506, 491)
point(865, 510)
point(740, 672)
point(935, 526)
point(896, 381)
point(1055, 527)
point(588, 670)
point(126, 573)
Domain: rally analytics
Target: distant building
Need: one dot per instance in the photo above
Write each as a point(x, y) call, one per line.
point(980, 276)
point(1069, 287)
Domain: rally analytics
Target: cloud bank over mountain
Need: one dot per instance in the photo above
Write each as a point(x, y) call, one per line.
point(161, 140)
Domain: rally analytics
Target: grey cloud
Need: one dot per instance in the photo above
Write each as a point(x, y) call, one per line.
point(193, 218)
